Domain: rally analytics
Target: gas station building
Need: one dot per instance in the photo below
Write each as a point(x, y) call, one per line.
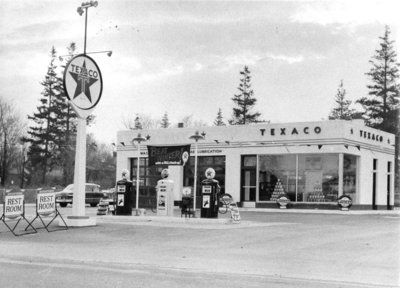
point(312, 163)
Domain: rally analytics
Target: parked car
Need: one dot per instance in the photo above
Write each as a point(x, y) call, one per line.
point(92, 195)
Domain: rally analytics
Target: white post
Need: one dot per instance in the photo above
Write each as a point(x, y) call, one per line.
point(137, 179)
point(78, 205)
point(195, 179)
point(340, 172)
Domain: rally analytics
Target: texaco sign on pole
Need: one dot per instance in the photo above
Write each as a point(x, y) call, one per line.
point(83, 84)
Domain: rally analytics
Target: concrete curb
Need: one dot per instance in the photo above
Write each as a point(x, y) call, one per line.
point(395, 212)
point(165, 219)
point(320, 211)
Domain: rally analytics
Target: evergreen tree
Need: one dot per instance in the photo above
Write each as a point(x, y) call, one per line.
point(165, 121)
point(42, 135)
point(342, 110)
point(244, 101)
point(381, 106)
point(219, 120)
point(66, 122)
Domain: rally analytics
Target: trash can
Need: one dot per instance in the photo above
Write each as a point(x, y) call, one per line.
point(187, 202)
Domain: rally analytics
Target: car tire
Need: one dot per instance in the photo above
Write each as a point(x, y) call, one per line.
point(63, 204)
point(93, 204)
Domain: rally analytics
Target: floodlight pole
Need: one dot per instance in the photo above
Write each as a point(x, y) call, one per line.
point(84, 45)
point(138, 139)
point(195, 137)
point(85, 6)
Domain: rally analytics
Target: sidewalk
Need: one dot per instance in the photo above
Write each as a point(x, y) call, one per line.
point(224, 221)
point(395, 212)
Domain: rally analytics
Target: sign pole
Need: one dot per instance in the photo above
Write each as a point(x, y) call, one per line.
point(139, 139)
point(137, 180)
point(195, 180)
point(196, 137)
point(86, 14)
point(83, 85)
point(78, 206)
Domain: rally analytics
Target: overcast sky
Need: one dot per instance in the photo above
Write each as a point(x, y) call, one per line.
point(184, 57)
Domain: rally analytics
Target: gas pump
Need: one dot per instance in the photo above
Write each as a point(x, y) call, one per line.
point(124, 195)
point(209, 195)
point(165, 195)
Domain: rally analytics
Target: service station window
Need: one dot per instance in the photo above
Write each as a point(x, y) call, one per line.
point(148, 176)
point(315, 180)
point(203, 163)
point(349, 175)
point(318, 177)
point(277, 175)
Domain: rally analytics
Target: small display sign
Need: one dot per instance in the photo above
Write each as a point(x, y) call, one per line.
point(120, 200)
point(14, 205)
point(46, 202)
point(345, 202)
point(235, 215)
point(283, 201)
point(207, 189)
point(162, 198)
point(187, 191)
point(206, 201)
point(121, 188)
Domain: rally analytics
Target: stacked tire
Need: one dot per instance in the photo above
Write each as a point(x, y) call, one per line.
point(103, 207)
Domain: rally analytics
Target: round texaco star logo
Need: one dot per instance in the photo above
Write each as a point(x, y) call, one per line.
point(82, 82)
point(210, 173)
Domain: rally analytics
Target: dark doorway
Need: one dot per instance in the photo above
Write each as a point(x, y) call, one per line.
point(248, 185)
point(374, 176)
point(388, 188)
point(248, 181)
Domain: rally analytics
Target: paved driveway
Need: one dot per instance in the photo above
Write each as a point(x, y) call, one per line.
point(268, 249)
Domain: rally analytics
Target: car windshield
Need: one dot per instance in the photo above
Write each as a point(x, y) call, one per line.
point(69, 188)
point(92, 188)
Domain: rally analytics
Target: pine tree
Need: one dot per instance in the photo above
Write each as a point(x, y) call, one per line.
point(381, 107)
point(165, 121)
point(244, 101)
point(43, 150)
point(219, 120)
point(342, 110)
point(67, 124)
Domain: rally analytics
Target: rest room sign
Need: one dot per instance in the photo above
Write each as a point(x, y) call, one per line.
point(46, 202)
point(14, 205)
